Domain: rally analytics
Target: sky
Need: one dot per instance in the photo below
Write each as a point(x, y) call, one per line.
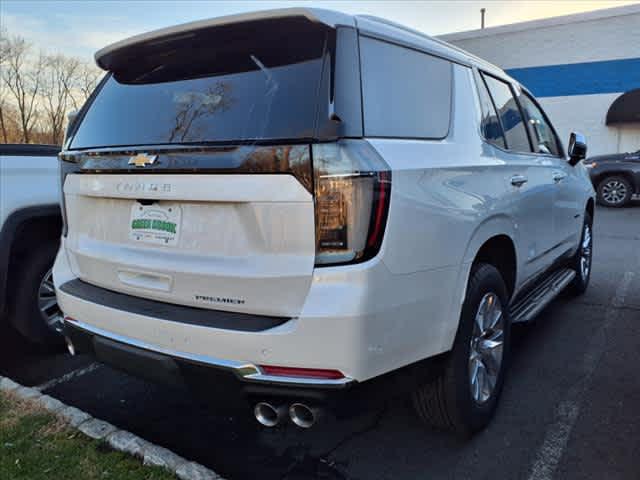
point(79, 28)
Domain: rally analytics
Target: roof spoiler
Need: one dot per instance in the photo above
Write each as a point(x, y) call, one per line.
point(111, 57)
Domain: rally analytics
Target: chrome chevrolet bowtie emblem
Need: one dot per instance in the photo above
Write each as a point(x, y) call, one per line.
point(142, 160)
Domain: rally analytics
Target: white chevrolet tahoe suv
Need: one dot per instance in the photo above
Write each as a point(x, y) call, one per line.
point(30, 225)
point(304, 207)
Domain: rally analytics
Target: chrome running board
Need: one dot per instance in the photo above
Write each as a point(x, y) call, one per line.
point(526, 309)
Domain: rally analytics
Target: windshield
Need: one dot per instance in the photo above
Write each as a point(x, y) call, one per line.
point(263, 93)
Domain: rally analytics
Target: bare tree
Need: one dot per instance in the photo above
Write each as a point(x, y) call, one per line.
point(82, 84)
point(23, 80)
point(4, 105)
point(37, 91)
point(4, 113)
point(56, 93)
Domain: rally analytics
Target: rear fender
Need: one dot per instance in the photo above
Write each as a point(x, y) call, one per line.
point(489, 228)
point(10, 238)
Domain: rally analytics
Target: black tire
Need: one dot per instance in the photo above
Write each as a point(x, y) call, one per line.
point(447, 401)
point(581, 281)
point(24, 311)
point(607, 182)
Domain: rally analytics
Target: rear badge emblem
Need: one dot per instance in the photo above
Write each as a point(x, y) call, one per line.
point(142, 160)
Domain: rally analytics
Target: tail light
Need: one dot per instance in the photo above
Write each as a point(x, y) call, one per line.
point(352, 185)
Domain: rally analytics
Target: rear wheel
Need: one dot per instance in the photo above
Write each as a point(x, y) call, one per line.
point(464, 396)
point(34, 311)
point(614, 191)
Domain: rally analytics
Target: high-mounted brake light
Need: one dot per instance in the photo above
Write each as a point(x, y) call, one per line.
point(301, 372)
point(352, 193)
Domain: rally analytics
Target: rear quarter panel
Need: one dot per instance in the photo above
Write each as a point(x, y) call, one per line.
point(447, 198)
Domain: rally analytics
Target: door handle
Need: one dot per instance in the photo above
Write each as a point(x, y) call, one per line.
point(559, 176)
point(518, 180)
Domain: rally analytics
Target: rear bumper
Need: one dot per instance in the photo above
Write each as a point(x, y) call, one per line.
point(360, 320)
point(230, 384)
point(222, 383)
point(165, 365)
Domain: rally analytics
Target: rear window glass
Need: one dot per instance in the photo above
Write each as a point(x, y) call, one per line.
point(239, 92)
point(406, 93)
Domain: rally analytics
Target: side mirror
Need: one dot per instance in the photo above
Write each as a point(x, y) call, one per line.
point(577, 148)
point(71, 119)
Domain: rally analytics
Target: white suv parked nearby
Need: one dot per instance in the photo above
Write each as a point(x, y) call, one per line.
point(30, 225)
point(305, 207)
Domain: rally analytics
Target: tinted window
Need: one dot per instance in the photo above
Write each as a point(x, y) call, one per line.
point(406, 93)
point(510, 117)
point(544, 139)
point(490, 125)
point(238, 92)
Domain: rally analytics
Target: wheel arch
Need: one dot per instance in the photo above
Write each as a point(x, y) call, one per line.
point(500, 251)
point(42, 223)
point(488, 239)
point(615, 173)
point(488, 243)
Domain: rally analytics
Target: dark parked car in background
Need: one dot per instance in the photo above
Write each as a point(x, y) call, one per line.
point(615, 177)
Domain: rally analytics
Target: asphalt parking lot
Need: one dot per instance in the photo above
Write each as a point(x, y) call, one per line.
point(570, 409)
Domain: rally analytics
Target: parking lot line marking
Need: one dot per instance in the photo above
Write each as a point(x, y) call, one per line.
point(68, 376)
point(557, 435)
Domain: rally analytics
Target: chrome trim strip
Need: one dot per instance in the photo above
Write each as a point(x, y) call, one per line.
point(205, 359)
point(246, 372)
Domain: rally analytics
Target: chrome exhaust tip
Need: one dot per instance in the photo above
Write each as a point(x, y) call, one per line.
point(267, 414)
point(303, 415)
point(71, 349)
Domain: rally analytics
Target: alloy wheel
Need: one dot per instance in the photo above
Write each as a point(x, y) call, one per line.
point(614, 192)
point(586, 249)
point(48, 304)
point(486, 348)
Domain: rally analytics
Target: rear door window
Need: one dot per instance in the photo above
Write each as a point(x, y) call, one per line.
point(509, 112)
point(406, 93)
point(490, 123)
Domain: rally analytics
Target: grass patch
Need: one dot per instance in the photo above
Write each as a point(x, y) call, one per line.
point(35, 444)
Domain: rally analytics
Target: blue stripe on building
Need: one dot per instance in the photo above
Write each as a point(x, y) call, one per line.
point(610, 76)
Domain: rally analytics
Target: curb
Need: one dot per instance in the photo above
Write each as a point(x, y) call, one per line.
point(119, 440)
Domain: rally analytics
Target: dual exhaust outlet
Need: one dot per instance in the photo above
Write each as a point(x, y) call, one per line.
point(300, 414)
point(266, 414)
